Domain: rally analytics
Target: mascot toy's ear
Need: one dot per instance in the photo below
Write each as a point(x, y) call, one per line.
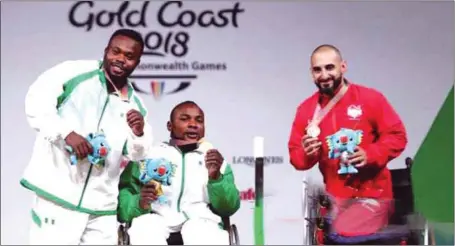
point(359, 134)
point(330, 143)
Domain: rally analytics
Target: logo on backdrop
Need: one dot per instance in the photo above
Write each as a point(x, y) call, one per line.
point(164, 68)
point(249, 160)
point(249, 195)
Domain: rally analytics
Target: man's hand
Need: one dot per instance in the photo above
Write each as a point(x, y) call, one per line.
point(213, 162)
point(359, 158)
point(311, 146)
point(148, 195)
point(135, 122)
point(81, 147)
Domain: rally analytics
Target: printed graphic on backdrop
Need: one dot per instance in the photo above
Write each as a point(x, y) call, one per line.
point(164, 68)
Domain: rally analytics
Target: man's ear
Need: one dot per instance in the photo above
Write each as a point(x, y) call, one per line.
point(169, 126)
point(311, 74)
point(344, 66)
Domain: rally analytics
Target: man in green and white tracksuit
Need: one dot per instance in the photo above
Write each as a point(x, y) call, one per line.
point(202, 188)
point(76, 204)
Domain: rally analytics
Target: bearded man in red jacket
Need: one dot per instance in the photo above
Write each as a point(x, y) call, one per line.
point(352, 132)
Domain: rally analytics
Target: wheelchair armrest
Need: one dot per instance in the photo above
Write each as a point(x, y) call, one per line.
point(123, 236)
point(125, 226)
point(234, 235)
point(226, 223)
point(232, 231)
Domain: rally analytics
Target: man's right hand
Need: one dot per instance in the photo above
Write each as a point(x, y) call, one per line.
point(148, 195)
point(311, 146)
point(81, 147)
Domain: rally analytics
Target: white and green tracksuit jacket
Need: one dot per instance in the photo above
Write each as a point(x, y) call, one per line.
point(190, 192)
point(72, 96)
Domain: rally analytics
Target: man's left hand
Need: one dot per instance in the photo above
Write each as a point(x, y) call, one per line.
point(359, 158)
point(135, 122)
point(213, 162)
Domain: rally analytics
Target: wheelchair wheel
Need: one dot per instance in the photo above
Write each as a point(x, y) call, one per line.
point(314, 214)
point(234, 236)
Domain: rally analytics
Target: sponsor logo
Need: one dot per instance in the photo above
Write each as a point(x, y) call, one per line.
point(168, 29)
point(249, 195)
point(249, 160)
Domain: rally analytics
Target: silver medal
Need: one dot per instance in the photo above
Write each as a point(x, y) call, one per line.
point(313, 131)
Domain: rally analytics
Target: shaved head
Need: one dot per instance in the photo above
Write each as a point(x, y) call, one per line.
point(327, 48)
point(327, 68)
point(185, 103)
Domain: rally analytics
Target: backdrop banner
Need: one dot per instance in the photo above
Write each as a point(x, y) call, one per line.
point(245, 63)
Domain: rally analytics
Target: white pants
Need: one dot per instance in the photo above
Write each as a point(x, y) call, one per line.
point(151, 229)
point(54, 225)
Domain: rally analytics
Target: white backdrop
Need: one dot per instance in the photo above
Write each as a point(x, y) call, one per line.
point(404, 49)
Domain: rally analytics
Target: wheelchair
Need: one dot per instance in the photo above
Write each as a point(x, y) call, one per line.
point(176, 237)
point(406, 227)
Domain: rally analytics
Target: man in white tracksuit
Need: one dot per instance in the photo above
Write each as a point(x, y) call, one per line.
point(76, 204)
point(202, 188)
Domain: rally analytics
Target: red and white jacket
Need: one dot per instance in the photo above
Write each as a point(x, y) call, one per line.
point(384, 138)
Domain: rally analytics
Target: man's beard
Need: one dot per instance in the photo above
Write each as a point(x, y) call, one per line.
point(330, 91)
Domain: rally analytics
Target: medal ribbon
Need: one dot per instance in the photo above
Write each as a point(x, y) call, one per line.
point(123, 93)
point(319, 114)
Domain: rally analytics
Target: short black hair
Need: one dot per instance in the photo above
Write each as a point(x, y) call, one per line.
point(134, 35)
point(171, 117)
point(326, 46)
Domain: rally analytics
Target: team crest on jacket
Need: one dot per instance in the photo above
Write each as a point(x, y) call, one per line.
point(354, 112)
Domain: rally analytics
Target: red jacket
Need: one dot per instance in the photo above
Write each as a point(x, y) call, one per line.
point(384, 138)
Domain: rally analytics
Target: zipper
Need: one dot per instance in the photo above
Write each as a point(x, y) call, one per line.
point(91, 166)
point(182, 185)
point(85, 185)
